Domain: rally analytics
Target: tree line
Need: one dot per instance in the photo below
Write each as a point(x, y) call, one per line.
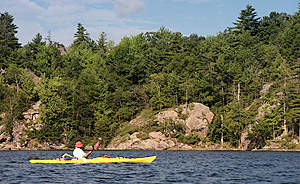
point(91, 88)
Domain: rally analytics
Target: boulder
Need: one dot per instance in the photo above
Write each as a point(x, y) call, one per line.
point(199, 116)
point(169, 114)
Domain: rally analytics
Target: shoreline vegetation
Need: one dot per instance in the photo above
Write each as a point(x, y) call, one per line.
point(155, 91)
point(194, 149)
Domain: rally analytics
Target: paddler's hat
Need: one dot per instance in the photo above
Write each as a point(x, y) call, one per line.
point(78, 144)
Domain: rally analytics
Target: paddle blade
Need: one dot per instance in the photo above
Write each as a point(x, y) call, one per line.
point(96, 145)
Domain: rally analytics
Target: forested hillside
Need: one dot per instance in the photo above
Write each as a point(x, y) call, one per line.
point(93, 87)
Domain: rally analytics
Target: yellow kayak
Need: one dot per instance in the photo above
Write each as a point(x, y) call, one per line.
point(98, 160)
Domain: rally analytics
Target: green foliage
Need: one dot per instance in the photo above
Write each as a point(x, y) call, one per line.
point(93, 88)
point(127, 129)
point(47, 61)
point(285, 142)
point(171, 129)
point(53, 110)
point(164, 90)
point(148, 113)
point(192, 138)
point(81, 36)
point(259, 134)
point(247, 21)
point(16, 96)
point(8, 31)
point(273, 119)
point(235, 120)
point(183, 116)
point(289, 38)
point(271, 25)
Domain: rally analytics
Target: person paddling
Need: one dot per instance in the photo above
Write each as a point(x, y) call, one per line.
point(78, 152)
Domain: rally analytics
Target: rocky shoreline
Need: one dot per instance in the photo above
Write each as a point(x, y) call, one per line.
point(172, 149)
point(176, 147)
point(197, 119)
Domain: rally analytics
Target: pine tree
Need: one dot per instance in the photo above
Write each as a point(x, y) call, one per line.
point(36, 42)
point(81, 36)
point(102, 42)
point(293, 100)
point(271, 25)
point(247, 21)
point(8, 31)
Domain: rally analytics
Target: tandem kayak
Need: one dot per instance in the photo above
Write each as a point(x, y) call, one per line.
point(98, 160)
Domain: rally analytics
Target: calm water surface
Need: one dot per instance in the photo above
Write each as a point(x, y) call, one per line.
point(169, 167)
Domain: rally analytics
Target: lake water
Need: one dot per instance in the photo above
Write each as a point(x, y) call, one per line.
point(169, 167)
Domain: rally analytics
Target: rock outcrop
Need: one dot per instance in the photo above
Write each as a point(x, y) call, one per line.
point(156, 141)
point(19, 139)
point(33, 114)
point(195, 119)
point(199, 118)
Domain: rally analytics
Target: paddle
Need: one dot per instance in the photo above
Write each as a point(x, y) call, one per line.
point(94, 147)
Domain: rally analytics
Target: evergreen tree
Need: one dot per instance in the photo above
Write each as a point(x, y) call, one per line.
point(95, 87)
point(247, 21)
point(292, 92)
point(102, 42)
point(270, 26)
point(27, 55)
point(48, 61)
point(54, 110)
point(8, 31)
point(36, 42)
point(81, 36)
point(289, 38)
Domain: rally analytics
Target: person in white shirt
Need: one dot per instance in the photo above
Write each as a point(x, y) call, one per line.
point(78, 152)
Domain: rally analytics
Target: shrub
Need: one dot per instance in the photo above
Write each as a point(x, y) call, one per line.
point(128, 130)
point(171, 129)
point(148, 113)
point(285, 142)
point(190, 139)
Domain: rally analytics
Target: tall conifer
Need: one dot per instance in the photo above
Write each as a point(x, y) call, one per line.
point(247, 21)
point(8, 31)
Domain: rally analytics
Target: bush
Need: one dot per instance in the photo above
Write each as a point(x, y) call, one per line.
point(171, 129)
point(150, 127)
point(190, 139)
point(148, 113)
point(183, 116)
point(285, 143)
point(129, 129)
point(180, 114)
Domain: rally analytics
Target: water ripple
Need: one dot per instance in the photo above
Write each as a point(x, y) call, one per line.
point(169, 167)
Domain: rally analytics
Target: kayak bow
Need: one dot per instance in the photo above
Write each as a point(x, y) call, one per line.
point(99, 160)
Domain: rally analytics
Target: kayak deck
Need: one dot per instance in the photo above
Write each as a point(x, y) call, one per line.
point(99, 160)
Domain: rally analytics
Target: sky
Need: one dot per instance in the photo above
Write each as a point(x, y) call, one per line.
point(123, 18)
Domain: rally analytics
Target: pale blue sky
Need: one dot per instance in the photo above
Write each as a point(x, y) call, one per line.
point(119, 18)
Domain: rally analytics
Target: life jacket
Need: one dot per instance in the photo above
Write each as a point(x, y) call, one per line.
point(67, 157)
